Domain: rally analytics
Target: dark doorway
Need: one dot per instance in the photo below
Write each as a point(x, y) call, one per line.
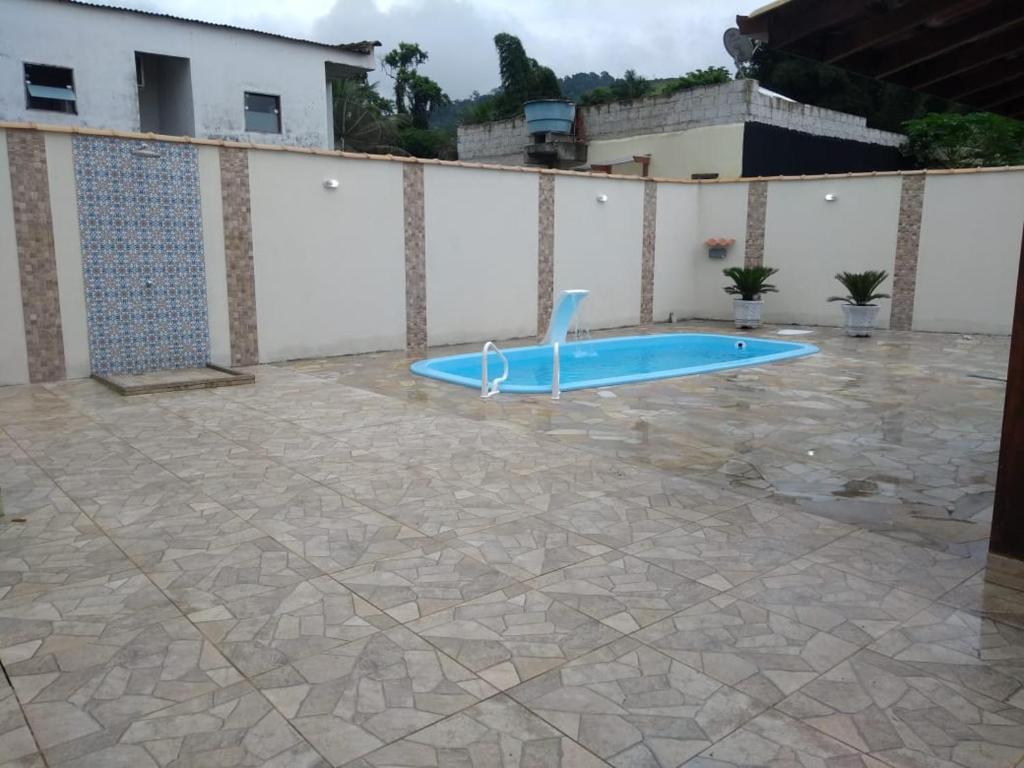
point(165, 94)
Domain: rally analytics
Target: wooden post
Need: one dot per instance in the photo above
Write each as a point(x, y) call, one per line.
point(1007, 539)
point(645, 164)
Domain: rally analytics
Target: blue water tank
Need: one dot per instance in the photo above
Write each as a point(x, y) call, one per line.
point(549, 116)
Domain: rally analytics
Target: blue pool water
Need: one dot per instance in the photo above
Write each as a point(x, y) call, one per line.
point(605, 362)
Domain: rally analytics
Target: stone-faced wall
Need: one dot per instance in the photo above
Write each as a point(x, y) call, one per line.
point(37, 265)
point(238, 259)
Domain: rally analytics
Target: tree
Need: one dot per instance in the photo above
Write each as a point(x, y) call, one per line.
point(574, 86)
point(522, 79)
point(600, 95)
point(415, 94)
point(696, 79)
point(365, 121)
point(514, 65)
point(360, 116)
point(957, 141)
point(424, 142)
point(425, 96)
point(631, 86)
point(483, 110)
point(400, 63)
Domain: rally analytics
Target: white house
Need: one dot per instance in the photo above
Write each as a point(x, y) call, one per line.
point(75, 63)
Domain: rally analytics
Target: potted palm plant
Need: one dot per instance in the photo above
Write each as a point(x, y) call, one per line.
point(860, 310)
point(749, 283)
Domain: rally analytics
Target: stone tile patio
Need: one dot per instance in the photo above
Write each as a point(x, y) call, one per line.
point(346, 565)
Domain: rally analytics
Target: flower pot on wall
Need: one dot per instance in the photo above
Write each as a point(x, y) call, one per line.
point(859, 318)
point(718, 246)
point(747, 314)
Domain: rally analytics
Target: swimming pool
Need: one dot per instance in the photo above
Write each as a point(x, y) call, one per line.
point(606, 362)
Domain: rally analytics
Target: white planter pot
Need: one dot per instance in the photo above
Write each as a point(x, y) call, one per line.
point(859, 320)
point(747, 313)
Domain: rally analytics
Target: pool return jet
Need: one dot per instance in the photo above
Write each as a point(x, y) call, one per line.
point(566, 307)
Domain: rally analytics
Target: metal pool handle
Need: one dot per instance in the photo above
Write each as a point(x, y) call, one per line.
point(556, 373)
point(486, 389)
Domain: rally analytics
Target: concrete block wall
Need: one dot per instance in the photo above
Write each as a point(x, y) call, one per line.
point(772, 110)
point(738, 101)
point(694, 108)
point(500, 142)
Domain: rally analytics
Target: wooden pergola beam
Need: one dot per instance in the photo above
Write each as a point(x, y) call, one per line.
point(963, 60)
point(929, 44)
point(876, 29)
point(1000, 94)
point(1012, 106)
point(797, 19)
point(1007, 537)
point(976, 80)
point(954, 49)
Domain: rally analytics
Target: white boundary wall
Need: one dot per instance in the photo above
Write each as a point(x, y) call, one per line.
point(675, 249)
point(722, 213)
point(481, 259)
point(969, 254)
point(68, 252)
point(810, 239)
point(598, 247)
point(330, 265)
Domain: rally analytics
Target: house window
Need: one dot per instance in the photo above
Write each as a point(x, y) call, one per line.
point(50, 88)
point(262, 113)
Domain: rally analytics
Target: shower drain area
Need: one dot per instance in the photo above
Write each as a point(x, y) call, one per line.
point(174, 379)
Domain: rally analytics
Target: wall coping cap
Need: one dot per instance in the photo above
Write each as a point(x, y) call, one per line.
point(109, 132)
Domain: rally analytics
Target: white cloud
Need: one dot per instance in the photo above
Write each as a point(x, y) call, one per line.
point(658, 38)
point(455, 33)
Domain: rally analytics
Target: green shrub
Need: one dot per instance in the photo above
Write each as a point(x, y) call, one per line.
point(749, 282)
point(950, 140)
point(861, 287)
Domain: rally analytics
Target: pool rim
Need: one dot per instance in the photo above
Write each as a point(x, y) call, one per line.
point(423, 367)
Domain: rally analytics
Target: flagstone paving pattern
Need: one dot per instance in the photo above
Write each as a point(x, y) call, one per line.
point(344, 564)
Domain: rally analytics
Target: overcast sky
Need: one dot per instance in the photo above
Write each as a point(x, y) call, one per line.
point(658, 38)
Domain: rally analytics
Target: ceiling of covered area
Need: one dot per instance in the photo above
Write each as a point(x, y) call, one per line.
point(968, 51)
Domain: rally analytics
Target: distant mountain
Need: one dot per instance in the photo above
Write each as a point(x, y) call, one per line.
point(574, 86)
point(448, 116)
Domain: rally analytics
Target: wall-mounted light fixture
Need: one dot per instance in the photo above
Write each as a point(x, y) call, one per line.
point(602, 198)
point(831, 197)
point(330, 183)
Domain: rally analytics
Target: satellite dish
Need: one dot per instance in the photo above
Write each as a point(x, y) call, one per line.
point(738, 45)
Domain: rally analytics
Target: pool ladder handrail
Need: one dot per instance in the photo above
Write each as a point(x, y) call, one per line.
point(491, 388)
point(556, 372)
point(488, 388)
